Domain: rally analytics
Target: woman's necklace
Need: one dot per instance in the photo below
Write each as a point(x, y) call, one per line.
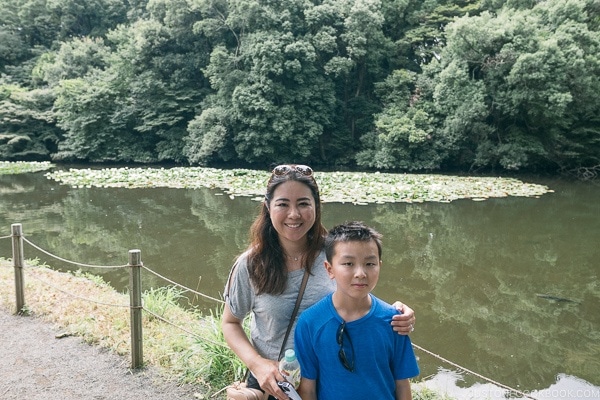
point(294, 262)
point(292, 258)
point(296, 257)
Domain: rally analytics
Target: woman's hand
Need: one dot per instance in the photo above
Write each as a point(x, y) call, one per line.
point(403, 323)
point(266, 371)
point(267, 374)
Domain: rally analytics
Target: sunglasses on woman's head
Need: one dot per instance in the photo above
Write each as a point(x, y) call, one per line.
point(348, 363)
point(286, 169)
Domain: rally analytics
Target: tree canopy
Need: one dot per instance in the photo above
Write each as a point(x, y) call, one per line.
point(400, 85)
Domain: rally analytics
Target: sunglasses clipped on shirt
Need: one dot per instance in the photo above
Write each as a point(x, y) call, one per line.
point(348, 363)
point(285, 169)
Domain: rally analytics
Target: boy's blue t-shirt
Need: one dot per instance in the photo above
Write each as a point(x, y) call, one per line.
point(381, 355)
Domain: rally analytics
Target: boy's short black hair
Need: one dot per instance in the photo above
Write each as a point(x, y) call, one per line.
point(350, 232)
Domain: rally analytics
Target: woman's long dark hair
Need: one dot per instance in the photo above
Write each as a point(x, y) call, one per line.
point(266, 261)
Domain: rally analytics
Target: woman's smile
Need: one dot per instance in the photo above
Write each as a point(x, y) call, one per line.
point(292, 211)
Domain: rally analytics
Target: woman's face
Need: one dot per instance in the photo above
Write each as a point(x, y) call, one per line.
point(292, 210)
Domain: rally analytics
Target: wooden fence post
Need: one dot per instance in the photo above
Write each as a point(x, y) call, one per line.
point(135, 306)
point(18, 262)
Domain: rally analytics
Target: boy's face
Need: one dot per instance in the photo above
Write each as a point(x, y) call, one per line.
point(355, 267)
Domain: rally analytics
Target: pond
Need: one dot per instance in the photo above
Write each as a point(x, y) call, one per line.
point(506, 287)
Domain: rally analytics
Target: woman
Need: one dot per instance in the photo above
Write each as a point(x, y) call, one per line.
point(286, 238)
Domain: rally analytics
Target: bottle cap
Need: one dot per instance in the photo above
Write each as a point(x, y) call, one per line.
point(290, 355)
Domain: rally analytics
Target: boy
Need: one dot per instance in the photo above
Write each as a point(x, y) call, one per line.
point(344, 342)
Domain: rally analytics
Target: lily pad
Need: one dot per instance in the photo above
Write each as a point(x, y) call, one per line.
point(20, 167)
point(341, 187)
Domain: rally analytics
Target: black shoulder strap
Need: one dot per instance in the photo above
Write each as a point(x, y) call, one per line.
point(295, 312)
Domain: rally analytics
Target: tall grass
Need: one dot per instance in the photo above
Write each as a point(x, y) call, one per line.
point(221, 366)
point(160, 300)
point(205, 356)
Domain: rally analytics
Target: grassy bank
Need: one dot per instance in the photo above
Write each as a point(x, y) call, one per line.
point(190, 348)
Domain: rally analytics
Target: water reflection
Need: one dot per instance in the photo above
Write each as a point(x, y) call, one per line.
point(188, 236)
point(471, 269)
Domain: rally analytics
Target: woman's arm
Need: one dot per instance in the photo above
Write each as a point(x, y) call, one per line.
point(266, 371)
point(403, 323)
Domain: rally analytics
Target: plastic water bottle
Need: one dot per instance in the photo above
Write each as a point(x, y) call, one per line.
point(290, 368)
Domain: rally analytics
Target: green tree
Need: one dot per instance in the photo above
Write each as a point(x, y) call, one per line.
point(74, 59)
point(32, 27)
point(138, 107)
point(419, 27)
point(292, 80)
point(540, 71)
point(84, 109)
point(514, 89)
point(27, 123)
point(41, 43)
point(12, 48)
point(271, 101)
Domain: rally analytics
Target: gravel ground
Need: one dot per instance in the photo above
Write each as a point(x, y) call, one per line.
point(36, 364)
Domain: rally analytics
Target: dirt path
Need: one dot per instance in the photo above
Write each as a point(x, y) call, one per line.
point(35, 364)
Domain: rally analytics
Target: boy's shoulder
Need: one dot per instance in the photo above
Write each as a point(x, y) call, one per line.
point(383, 303)
point(383, 308)
point(318, 309)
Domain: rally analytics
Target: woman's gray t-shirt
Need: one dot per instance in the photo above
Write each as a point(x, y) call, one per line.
point(271, 313)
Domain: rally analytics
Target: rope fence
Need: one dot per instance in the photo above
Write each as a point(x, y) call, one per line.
point(135, 265)
point(185, 289)
point(37, 278)
point(184, 329)
point(472, 372)
point(69, 261)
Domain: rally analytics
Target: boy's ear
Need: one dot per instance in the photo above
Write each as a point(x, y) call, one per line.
point(329, 269)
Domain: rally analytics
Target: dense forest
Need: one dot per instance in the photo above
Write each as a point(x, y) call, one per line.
point(399, 85)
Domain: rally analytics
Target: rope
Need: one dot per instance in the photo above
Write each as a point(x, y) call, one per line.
point(5, 237)
point(181, 286)
point(77, 296)
point(473, 373)
point(71, 262)
point(183, 329)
